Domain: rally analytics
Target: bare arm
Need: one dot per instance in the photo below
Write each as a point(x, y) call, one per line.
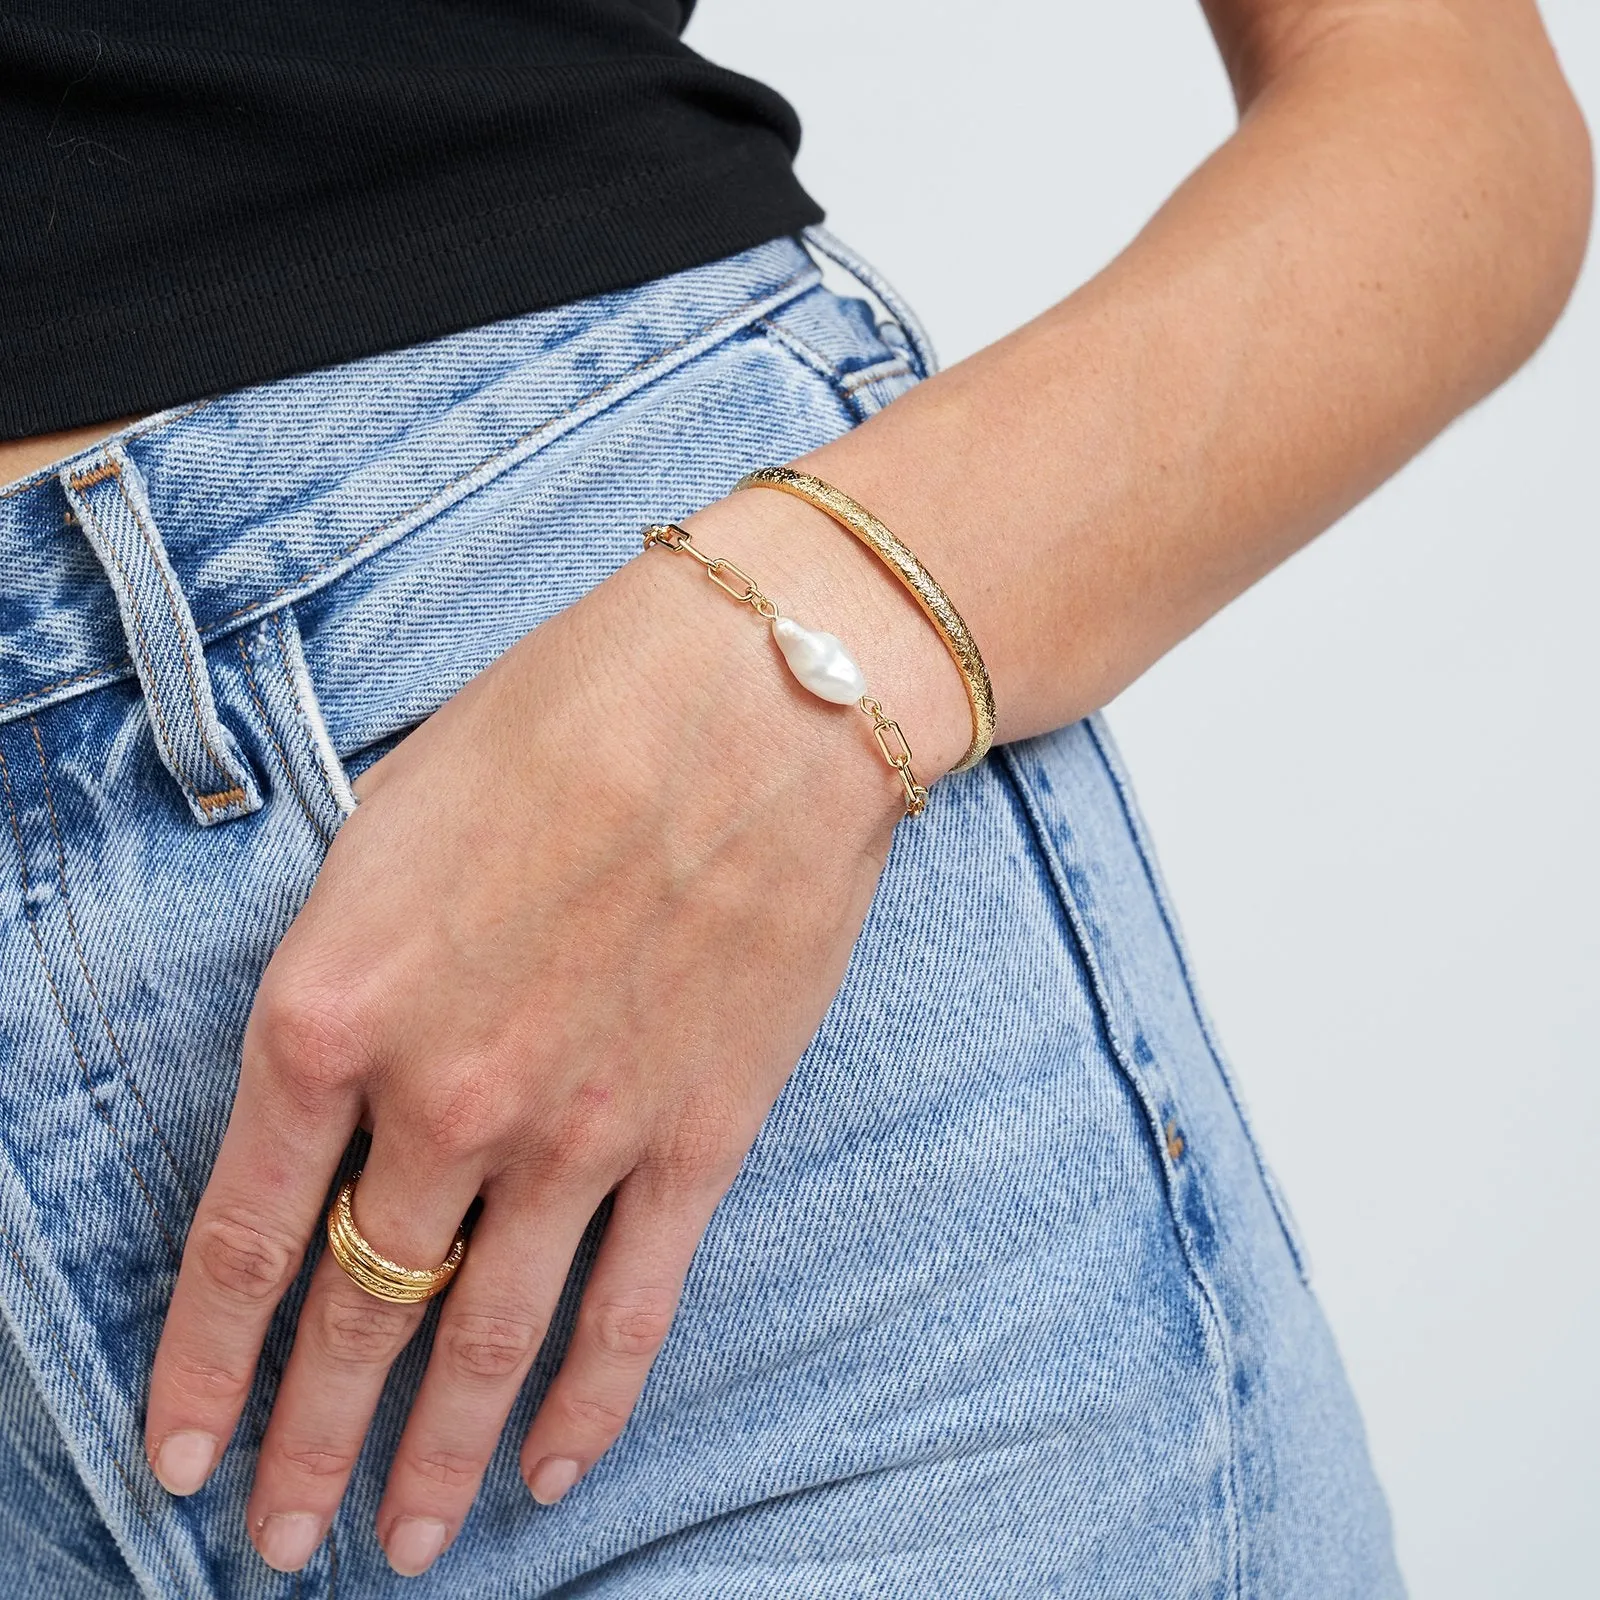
point(1392, 230)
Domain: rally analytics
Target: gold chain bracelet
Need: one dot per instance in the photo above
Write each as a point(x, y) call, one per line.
point(818, 660)
point(924, 588)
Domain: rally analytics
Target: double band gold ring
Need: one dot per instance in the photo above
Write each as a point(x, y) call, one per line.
point(376, 1273)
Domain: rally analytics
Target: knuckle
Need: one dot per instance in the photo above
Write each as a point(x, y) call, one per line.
point(591, 1135)
point(461, 1116)
point(205, 1382)
point(705, 1147)
point(311, 1036)
point(241, 1260)
point(318, 1462)
point(481, 1346)
point(450, 1469)
point(594, 1415)
point(364, 1332)
point(632, 1326)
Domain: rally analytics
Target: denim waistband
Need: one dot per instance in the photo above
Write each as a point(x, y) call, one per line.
point(265, 494)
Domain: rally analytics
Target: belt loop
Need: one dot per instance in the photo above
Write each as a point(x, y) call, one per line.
point(868, 276)
point(107, 491)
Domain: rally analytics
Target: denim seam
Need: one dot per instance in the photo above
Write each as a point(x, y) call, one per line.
point(925, 360)
point(182, 630)
point(89, 1406)
point(809, 354)
point(110, 673)
point(31, 916)
point(847, 385)
point(1094, 967)
point(706, 1514)
point(1192, 991)
point(88, 972)
point(138, 430)
point(277, 745)
point(865, 377)
point(826, 369)
point(654, 359)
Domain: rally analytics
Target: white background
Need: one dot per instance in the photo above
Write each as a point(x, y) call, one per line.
point(1373, 780)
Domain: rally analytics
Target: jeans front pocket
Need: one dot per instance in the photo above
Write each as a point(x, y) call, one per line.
point(1111, 760)
point(1087, 822)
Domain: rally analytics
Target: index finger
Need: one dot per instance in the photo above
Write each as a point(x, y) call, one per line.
point(245, 1246)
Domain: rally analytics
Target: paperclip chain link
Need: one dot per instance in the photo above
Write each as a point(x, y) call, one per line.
point(888, 734)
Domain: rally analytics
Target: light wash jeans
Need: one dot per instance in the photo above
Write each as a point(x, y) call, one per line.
point(1002, 1303)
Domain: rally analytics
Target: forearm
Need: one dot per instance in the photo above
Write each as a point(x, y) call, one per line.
point(1393, 227)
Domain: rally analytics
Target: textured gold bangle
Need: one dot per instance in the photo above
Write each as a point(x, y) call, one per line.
point(925, 590)
point(377, 1274)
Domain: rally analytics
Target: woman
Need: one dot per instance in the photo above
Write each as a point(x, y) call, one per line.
point(344, 366)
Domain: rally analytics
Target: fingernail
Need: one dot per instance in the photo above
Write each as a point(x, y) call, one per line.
point(552, 1478)
point(184, 1461)
point(288, 1539)
point(414, 1544)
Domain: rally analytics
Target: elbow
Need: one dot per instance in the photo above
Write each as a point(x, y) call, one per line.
point(1522, 196)
point(1545, 193)
point(1471, 105)
point(1558, 205)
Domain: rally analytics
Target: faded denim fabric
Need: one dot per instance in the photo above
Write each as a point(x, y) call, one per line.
point(1002, 1303)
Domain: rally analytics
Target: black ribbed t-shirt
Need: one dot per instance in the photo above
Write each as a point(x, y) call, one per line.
point(198, 194)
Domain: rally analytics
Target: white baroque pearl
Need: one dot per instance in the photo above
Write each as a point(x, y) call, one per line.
point(820, 662)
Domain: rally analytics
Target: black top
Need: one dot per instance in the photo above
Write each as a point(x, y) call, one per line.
point(198, 194)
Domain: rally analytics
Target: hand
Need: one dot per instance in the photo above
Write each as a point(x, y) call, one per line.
point(571, 944)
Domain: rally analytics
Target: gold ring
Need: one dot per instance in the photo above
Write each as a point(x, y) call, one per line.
point(377, 1274)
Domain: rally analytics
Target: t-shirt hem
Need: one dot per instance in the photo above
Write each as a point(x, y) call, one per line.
point(313, 308)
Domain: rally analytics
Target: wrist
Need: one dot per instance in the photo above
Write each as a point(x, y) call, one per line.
point(822, 577)
point(705, 719)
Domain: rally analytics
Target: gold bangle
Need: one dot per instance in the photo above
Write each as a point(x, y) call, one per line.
point(377, 1274)
point(925, 590)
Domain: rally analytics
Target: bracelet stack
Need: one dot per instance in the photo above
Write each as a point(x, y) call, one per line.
point(936, 605)
point(819, 661)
